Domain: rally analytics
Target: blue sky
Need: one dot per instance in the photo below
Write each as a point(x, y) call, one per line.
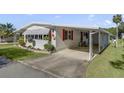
point(92, 20)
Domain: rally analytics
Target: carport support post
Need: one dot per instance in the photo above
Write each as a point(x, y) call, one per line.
point(90, 45)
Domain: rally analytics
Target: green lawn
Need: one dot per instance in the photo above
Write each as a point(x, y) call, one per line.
point(16, 53)
point(6, 45)
point(108, 64)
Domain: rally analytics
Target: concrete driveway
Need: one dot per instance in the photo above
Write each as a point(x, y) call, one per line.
point(18, 70)
point(66, 63)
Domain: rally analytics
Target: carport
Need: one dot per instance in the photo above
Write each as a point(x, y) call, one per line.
point(92, 42)
point(102, 38)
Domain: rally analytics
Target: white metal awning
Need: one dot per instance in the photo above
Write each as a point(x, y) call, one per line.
point(36, 30)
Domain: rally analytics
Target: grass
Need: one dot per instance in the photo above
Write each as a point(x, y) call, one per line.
point(108, 64)
point(6, 45)
point(16, 53)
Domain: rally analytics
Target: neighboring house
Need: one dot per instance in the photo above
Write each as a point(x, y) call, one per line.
point(65, 36)
point(8, 39)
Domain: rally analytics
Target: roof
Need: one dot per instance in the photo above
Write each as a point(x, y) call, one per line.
point(36, 30)
point(57, 26)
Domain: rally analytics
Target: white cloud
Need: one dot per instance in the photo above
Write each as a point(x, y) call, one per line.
point(29, 14)
point(57, 16)
point(91, 17)
point(108, 22)
point(95, 25)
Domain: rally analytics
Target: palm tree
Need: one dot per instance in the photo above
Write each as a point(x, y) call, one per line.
point(6, 30)
point(117, 19)
point(2, 33)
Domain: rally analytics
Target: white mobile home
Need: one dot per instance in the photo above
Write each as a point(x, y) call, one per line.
point(65, 36)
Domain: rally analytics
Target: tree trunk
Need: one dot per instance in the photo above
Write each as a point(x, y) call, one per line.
point(117, 35)
point(0, 39)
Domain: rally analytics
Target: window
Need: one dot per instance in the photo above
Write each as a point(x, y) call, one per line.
point(64, 34)
point(45, 37)
point(86, 34)
point(36, 36)
point(28, 36)
point(32, 36)
point(67, 35)
point(40, 36)
point(70, 35)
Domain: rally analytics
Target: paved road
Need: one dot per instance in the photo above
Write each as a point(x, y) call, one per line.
point(18, 70)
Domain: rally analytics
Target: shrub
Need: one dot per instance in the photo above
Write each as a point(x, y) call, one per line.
point(49, 47)
point(21, 41)
point(34, 43)
point(46, 46)
point(30, 46)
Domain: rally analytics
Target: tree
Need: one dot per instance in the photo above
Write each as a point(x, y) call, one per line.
point(117, 19)
point(6, 30)
point(111, 30)
point(121, 28)
point(2, 33)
